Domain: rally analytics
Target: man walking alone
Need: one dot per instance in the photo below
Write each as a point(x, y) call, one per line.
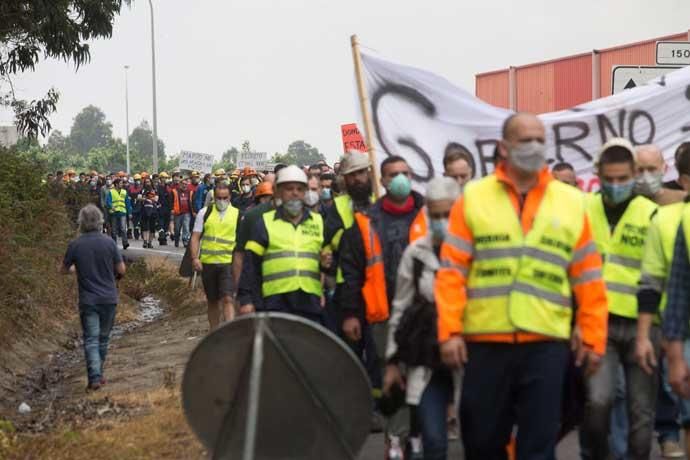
point(97, 262)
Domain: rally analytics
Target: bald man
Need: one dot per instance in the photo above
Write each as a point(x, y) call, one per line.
point(650, 168)
point(518, 244)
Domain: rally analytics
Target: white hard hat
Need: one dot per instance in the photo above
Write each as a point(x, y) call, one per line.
point(616, 142)
point(354, 161)
point(291, 173)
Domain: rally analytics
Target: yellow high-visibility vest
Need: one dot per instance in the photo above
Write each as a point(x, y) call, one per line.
point(292, 259)
point(520, 282)
point(218, 241)
point(118, 201)
point(656, 263)
point(621, 250)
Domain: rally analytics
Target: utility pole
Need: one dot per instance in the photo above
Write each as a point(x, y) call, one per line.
point(127, 118)
point(153, 76)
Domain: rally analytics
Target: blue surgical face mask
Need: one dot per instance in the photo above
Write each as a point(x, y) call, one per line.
point(439, 228)
point(400, 186)
point(617, 193)
point(326, 194)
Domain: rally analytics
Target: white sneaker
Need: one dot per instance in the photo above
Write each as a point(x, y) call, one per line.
point(394, 450)
point(416, 451)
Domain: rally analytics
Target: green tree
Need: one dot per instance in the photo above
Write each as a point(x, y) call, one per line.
point(90, 130)
point(57, 141)
point(299, 153)
point(141, 140)
point(57, 29)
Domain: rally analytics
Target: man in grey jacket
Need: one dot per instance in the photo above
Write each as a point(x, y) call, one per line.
point(431, 390)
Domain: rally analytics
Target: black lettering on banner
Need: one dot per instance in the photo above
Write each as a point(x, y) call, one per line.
point(486, 160)
point(571, 142)
point(484, 239)
point(634, 115)
point(415, 97)
point(605, 125)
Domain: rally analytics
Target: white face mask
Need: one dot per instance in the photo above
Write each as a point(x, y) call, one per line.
point(528, 156)
point(246, 188)
point(222, 205)
point(311, 198)
point(648, 184)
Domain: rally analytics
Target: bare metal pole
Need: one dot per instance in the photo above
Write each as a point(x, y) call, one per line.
point(153, 76)
point(127, 118)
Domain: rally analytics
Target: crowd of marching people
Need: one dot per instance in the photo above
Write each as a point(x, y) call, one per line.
point(506, 311)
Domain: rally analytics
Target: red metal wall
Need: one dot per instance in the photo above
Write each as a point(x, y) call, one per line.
point(566, 82)
point(493, 88)
point(572, 81)
point(535, 88)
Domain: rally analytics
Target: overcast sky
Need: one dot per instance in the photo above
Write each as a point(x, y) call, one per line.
point(277, 71)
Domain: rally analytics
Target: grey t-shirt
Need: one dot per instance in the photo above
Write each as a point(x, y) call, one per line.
point(95, 256)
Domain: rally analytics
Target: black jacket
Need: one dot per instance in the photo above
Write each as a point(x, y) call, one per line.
point(393, 232)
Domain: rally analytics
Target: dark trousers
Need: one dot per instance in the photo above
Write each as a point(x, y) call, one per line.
point(96, 324)
point(666, 422)
point(432, 414)
point(512, 384)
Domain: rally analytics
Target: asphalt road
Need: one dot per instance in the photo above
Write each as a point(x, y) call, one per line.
point(136, 251)
point(568, 449)
point(373, 449)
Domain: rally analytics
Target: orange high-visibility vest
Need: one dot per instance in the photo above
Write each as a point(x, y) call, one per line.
point(419, 227)
point(374, 289)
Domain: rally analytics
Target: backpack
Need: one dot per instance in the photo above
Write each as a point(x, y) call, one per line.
point(416, 335)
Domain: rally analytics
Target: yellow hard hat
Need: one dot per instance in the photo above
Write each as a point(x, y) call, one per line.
point(220, 172)
point(194, 174)
point(164, 175)
point(70, 172)
point(137, 177)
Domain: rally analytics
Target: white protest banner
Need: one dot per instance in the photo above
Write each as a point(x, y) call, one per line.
point(257, 160)
point(417, 114)
point(193, 161)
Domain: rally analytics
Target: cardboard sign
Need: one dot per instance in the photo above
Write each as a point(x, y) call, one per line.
point(192, 161)
point(352, 138)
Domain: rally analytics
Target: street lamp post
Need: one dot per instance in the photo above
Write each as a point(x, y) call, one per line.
point(153, 76)
point(127, 118)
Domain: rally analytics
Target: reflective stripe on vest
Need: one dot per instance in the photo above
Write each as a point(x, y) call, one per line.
point(656, 265)
point(119, 203)
point(218, 240)
point(374, 289)
point(291, 261)
point(622, 250)
point(520, 282)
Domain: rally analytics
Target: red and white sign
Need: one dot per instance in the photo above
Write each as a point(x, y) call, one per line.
point(352, 138)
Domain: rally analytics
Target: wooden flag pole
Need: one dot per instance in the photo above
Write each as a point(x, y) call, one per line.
point(366, 115)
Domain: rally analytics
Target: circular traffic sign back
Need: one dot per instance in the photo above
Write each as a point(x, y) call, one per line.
point(277, 386)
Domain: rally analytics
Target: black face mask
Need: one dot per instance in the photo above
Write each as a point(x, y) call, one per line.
point(360, 192)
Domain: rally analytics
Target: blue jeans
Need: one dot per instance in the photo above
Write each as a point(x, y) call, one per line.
point(432, 412)
point(96, 323)
point(118, 226)
point(182, 228)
